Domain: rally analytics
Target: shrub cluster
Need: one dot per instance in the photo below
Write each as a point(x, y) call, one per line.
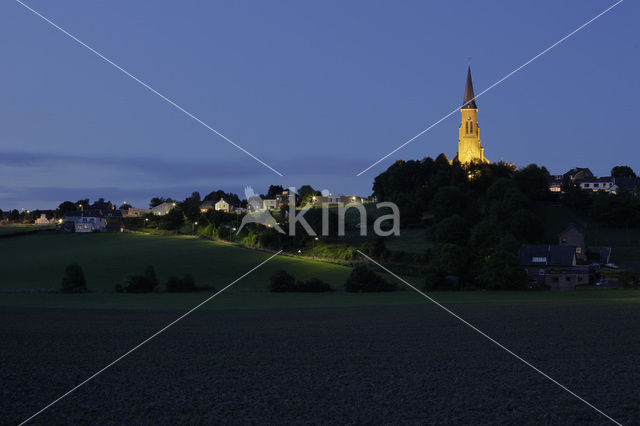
point(148, 282)
point(73, 280)
point(281, 281)
point(363, 279)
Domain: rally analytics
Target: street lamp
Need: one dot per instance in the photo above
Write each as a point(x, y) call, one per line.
point(145, 222)
point(230, 231)
point(299, 251)
point(194, 226)
point(314, 247)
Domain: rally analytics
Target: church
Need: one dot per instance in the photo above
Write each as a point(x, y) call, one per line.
point(469, 147)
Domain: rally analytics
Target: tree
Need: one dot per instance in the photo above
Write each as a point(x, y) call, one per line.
point(273, 191)
point(173, 220)
point(453, 259)
point(14, 215)
point(526, 226)
point(73, 280)
point(533, 182)
point(306, 193)
point(191, 206)
point(282, 281)
point(65, 207)
point(502, 271)
point(145, 283)
point(450, 200)
point(622, 171)
point(453, 229)
point(156, 201)
point(362, 279)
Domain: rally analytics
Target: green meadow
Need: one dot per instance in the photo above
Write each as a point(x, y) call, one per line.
point(32, 265)
point(37, 261)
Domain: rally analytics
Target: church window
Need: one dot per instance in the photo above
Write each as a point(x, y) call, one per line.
point(466, 127)
point(471, 126)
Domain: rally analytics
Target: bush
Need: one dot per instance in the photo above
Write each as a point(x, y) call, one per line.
point(184, 284)
point(282, 281)
point(73, 280)
point(313, 285)
point(363, 279)
point(140, 283)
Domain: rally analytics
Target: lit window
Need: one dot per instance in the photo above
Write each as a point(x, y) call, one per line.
point(86, 227)
point(538, 259)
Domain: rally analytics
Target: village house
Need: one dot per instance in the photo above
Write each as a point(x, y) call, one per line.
point(222, 205)
point(42, 220)
point(85, 221)
point(574, 236)
point(553, 266)
point(163, 209)
point(205, 206)
point(283, 198)
point(269, 204)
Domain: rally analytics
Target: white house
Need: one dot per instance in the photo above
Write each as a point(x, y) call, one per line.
point(222, 205)
point(162, 209)
point(269, 204)
point(86, 222)
point(42, 220)
point(597, 184)
point(337, 199)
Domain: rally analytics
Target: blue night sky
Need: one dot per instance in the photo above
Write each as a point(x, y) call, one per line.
point(319, 90)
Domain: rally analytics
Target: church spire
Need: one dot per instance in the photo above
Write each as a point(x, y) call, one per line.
point(469, 101)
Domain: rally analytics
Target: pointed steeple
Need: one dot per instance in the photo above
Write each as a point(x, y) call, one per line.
point(469, 101)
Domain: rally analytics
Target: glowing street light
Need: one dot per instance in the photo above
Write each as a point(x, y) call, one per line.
point(314, 247)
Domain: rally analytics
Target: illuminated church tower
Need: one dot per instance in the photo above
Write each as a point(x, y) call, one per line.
point(469, 146)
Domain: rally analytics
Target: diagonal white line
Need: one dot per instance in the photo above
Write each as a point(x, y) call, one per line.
point(492, 340)
point(492, 86)
point(146, 340)
point(151, 89)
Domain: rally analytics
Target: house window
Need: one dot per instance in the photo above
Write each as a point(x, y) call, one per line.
point(79, 226)
point(595, 185)
point(579, 278)
point(539, 259)
point(86, 227)
point(554, 279)
point(567, 279)
point(586, 185)
point(563, 240)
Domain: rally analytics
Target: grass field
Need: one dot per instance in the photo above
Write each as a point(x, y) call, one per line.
point(38, 261)
point(15, 229)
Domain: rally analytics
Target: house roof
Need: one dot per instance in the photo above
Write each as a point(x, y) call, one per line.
point(578, 173)
point(553, 255)
point(570, 227)
point(595, 179)
point(469, 101)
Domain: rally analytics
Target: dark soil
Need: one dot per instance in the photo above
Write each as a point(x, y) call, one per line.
point(394, 365)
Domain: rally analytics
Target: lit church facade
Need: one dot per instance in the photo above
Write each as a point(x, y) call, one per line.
point(469, 147)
